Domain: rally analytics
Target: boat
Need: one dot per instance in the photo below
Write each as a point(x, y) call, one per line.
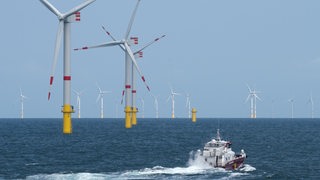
point(218, 153)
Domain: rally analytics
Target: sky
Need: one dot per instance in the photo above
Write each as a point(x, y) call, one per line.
point(212, 49)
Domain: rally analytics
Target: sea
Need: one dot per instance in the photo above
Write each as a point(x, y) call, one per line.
point(156, 149)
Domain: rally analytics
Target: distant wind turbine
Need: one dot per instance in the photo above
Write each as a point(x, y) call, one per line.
point(142, 107)
point(171, 96)
point(156, 105)
point(312, 105)
point(253, 102)
point(22, 97)
point(78, 102)
point(100, 97)
point(291, 101)
point(188, 105)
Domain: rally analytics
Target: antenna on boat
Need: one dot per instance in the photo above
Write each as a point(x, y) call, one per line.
point(218, 135)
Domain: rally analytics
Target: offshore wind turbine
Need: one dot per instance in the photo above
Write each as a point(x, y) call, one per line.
point(64, 32)
point(125, 44)
point(188, 105)
point(142, 107)
point(156, 105)
point(78, 102)
point(312, 105)
point(171, 96)
point(253, 101)
point(100, 97)
point(22, 97)
point(291, 101)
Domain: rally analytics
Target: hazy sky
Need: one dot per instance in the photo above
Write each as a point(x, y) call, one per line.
point(211, 50)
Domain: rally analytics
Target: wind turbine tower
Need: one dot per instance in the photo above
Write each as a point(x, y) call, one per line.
point(171, 96)
point(22, 97)
point(156, 105)
point(291, 101)
point(312, 105)
point(100, 97)
point(253, 102)
point(142, 107)
point(64, 29)
point(188, 105)
point(78, 102)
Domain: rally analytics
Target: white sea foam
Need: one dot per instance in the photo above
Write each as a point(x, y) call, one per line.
point(196, 166)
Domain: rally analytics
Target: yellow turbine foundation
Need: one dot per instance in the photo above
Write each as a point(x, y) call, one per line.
point(134, 116)
point(67, 124)
point(172, 116)
point(194, 114)
point(127, 111)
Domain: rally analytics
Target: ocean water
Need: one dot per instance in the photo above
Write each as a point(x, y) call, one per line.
point(156, 149)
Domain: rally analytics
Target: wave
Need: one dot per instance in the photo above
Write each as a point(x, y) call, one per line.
point(196, 168)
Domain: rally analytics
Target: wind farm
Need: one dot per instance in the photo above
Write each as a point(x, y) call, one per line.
point(137, 87)
point(164, 63)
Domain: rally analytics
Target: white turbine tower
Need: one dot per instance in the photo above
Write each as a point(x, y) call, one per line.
point(142, 107)
point(129, 59)
point(78, 102)
point(188, 105)
point(253, 102)
point(22, 97)
point(312, 105)
point(64, 32)
point(100, 97)
point(156, 105)
point(172, 95)
point(291, 101)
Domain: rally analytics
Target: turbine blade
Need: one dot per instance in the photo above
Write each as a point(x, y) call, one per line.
point(56, 54)
point(128, 50)
point(131, 20)
point(51, 8)
point(249, 88)
point(149, 44)
point(114, 39)
point(77, 8)
point(112, 43)
point(123, 91)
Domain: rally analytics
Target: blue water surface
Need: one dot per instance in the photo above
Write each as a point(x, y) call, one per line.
point(156, 149)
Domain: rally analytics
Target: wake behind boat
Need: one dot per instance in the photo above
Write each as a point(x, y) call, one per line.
point(218, 153)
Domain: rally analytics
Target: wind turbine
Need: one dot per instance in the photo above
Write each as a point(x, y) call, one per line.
point(253, 102)
point(312, 105)
point(100, 97)
point(156, 105)
point(78, 102)
point(188, 105)
point(125, 44)
point(291, 101)
point(172, 94)
point(142, 107)
point(22, 97)
point(64, 32)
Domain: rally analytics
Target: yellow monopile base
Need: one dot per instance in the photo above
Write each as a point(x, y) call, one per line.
point(194, 114)
point(67, 124)
point(134, 116)
point(127, 111)
point(172, 116)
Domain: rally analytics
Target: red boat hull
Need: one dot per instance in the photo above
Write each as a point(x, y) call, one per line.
point(235, 164)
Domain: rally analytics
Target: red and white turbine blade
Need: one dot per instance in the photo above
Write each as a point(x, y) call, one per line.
point(123, 91)
point(131, 20)
point(150, 43)
point(128, 50)
point(114, 39)
point(77, 8)
point(56, 54)
point(112, 43)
